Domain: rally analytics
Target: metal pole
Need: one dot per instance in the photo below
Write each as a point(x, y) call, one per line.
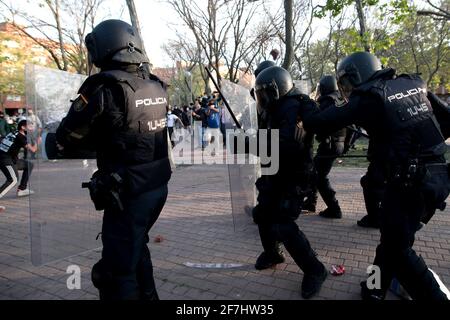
point(238, 125)
point(135, 23)
point(192, 96)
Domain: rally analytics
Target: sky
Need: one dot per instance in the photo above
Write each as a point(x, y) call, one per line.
point(159, 22)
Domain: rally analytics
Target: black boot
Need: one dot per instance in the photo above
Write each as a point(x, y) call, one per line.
point(312, 282)
point(371, 294)
point(267, 260)
point(149, 296)
point(310, 203)
point(331, 213)
point(417, 279)
point(304, 256)
point(309, 206)
point(367, 222)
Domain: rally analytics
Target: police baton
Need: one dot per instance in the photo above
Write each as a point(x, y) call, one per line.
point(238, 125)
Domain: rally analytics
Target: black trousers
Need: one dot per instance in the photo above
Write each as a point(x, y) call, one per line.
point(125, 270)
point(170, 136)
point(323, 162)
point(11, 172)
point(295, 242)
point(403, 208)
point(274, 227)
point(373, 184)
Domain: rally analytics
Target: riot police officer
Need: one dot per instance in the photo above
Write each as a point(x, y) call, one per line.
point(330, 147)
point(406, 139)
point(121, 111)
point(279, 198)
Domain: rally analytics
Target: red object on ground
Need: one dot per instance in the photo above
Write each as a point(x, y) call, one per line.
point(337, 270)
point(2, 208)
point(159, 238)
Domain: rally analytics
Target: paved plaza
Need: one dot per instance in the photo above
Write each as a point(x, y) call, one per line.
point(203, 254)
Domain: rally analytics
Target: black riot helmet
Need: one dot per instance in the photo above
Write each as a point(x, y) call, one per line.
point(263, 65)
point(115, 40)
point(327, 85)
point(272, 84)
point(355, 70)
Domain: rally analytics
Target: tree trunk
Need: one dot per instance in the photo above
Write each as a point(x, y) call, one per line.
point(362, 25)
point(289, 52)
point(60, 36)
point(135, 23)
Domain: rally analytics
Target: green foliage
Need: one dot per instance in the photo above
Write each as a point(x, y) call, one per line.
point(422, 46)
point(13, 60)
point(407, 42)
point(179, 89)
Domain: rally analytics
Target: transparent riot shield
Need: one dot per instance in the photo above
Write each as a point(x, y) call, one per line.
point(63, 221)
point(304, 86)
point(243, 169)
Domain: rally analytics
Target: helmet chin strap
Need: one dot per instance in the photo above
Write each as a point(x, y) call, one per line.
point(90, 65)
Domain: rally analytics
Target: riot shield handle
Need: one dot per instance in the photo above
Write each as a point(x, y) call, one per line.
point(238, 125)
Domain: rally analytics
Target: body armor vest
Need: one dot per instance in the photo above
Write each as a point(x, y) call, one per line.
point(8, 141)
point(409, 118)
point(335, 142)
point(140, 148)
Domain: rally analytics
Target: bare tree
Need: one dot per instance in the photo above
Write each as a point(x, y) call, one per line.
point(433, 62)
point(76, 52)
point(224, 32)
point(321, 57)
point(246, 41)
point(63, 41)
point(362, 25)
point(438, 12)
point(204, 27)
point(183, 50)
point(302, 17)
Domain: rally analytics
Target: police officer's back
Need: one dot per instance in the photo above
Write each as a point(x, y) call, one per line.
point(406, 138)
point(121, 111)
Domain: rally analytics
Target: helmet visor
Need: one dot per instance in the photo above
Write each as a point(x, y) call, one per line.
point(264, 99)
point(266, 95)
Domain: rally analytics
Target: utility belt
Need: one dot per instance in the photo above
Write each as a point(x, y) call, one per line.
point(408, 175)
point(105, 189)
point(432, 179)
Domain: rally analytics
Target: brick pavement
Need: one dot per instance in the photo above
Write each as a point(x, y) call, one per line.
point(197, 227)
